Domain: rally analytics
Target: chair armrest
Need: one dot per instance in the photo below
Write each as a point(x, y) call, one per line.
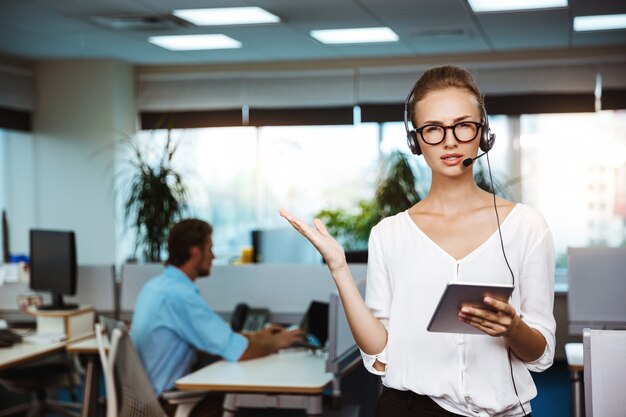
point(172, 396)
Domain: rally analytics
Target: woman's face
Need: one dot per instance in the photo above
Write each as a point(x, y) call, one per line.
point(447, 108)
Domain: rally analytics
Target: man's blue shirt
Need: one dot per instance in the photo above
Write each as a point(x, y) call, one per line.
point(171, 321)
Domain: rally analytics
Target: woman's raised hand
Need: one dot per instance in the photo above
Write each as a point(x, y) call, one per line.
point(326, 245)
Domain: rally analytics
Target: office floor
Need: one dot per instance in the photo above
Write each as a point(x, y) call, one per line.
point(553, 392)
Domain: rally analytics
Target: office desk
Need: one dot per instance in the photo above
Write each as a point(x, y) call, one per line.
point(574, 354)
point(288, 379)
point(25, 352)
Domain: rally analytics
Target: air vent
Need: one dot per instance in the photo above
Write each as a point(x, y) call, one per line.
point(140, 22)
point(450, 33)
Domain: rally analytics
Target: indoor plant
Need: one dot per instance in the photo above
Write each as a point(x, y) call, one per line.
point(397, 190)
point(155, 196)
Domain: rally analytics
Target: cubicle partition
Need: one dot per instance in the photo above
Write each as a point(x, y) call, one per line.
point(132, 279)
point(343, 353)
point(95, 287)
point(286, 290)
point(597, 286)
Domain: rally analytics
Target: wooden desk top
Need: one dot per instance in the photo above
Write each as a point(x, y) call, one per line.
point(86, 346)
point(29, 351)
point(290, 371)
point(26, 352)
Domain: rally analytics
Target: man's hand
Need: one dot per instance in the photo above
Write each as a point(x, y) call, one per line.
point(269, 340)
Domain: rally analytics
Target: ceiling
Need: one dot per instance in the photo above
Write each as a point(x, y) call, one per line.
point(67, 29)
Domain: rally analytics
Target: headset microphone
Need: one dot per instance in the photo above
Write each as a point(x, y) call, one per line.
point(469, 161)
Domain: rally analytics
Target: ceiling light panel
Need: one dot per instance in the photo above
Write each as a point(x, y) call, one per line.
point(486, 6)
point(356, 35)
point(226, 16)
point(195, 42)
point(600, 22)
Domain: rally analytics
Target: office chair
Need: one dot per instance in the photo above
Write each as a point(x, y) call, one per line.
point(129, 392)
point(604, 362)
point(36, 378)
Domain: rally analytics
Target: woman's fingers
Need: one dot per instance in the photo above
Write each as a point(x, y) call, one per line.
point(319, 225)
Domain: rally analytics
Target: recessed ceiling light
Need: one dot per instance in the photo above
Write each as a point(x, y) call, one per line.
point(194, 42)
point(357, 35)
point(482, 6)
point(600, 22)
point(226, 16)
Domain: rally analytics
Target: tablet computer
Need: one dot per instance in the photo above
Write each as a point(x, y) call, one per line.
point(445, 318)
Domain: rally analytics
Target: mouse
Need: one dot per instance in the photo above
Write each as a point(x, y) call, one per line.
point(9, 338)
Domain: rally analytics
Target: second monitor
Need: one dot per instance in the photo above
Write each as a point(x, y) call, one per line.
point(53, 266)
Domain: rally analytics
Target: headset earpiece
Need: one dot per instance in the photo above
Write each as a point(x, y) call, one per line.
point(411, 140)
point(411, 134)
point(487, 139)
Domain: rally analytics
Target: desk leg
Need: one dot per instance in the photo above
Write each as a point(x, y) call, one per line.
point(229, 405)
point(576, 386)
point(90, 388)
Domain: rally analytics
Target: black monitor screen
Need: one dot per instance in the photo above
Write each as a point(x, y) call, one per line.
point(53, 265)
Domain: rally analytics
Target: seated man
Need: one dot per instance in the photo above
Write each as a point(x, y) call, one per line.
point(171, 320)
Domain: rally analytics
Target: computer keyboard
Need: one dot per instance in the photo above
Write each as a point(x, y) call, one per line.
point(8, 338)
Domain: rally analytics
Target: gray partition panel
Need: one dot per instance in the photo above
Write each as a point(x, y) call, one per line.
point(604, 356)
point(597, 286)
point(342, 349)
point(286, 290)
point(132, 279)
point(95, 287)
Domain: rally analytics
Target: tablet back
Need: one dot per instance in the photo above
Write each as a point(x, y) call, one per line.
point(445, 318)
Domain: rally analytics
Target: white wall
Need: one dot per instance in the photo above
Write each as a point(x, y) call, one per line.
point(17, 193)
point(82, 108)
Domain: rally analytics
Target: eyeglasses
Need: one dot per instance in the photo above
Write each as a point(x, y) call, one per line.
point(463, 132)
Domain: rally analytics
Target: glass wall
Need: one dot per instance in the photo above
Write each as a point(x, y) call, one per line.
point(239, 177)
point(571, 167)
point(574, 173)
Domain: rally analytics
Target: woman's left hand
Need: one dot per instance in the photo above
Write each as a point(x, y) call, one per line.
point(500, 319)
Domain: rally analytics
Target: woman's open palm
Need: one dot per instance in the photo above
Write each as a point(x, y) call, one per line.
point(326, 245)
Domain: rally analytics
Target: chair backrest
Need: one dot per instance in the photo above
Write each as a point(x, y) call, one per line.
point(129, 391)
point(604, 358)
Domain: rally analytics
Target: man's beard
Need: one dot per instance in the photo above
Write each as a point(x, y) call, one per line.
point(203, 272)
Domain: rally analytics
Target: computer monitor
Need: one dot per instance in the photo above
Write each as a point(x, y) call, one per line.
point(53, 266)
point(283, 246)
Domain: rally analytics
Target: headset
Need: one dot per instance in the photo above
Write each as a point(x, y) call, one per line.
point(487, 139)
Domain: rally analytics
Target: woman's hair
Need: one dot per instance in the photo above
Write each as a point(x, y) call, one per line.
point(440, 78)
point(185, 235)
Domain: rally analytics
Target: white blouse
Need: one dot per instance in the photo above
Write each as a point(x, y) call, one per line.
point(465, 374)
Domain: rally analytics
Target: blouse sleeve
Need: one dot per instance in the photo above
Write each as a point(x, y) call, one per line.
point(377, 295)
point(537, 294)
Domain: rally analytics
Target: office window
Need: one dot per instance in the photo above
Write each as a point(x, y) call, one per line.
point(239, 177)
point(574, 173)
point(307, 169)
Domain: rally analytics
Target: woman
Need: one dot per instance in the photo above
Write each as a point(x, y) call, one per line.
point(453, 234)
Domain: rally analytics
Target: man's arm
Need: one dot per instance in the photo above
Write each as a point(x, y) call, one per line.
point(270, 340)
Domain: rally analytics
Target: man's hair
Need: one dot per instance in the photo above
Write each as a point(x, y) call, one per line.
point(185, 235)
point(441, 78)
